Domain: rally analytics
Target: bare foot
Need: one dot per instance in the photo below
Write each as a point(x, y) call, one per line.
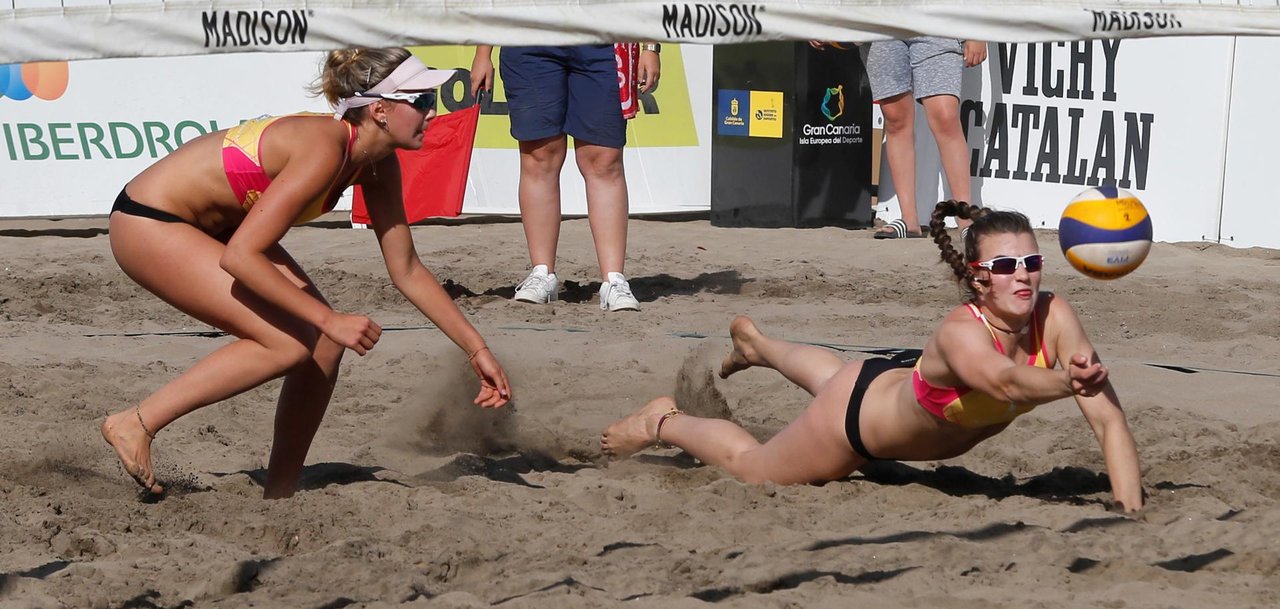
point(744, 332)
point(637, 431)
point(123, 431)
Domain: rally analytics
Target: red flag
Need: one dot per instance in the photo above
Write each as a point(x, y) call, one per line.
point(434, 177)
point(625, 57)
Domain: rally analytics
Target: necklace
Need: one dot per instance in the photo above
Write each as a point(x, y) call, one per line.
point(1014, 333)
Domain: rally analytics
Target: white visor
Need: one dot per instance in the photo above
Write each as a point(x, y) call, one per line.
point(410, 75)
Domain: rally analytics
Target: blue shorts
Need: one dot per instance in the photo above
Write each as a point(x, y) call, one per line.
point(563, 90)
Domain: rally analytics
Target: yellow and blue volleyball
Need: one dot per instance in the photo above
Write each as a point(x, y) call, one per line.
point(1105, 232)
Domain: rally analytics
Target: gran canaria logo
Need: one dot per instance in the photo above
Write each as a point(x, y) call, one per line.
point(45, 80)
point(833, 102)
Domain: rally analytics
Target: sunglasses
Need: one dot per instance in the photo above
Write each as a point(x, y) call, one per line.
point(1006, 265)
point(422, 101)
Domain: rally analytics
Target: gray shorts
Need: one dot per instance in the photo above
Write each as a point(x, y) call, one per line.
point(926, 66)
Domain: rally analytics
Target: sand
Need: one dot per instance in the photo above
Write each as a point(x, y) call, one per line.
point(412, 496)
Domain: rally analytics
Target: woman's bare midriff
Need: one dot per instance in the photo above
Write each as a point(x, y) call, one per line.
point(190, 184)
point(895, 426)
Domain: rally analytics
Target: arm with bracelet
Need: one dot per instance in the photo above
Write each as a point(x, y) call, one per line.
point(649, 67)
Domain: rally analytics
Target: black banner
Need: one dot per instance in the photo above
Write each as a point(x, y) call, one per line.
point(791, 137)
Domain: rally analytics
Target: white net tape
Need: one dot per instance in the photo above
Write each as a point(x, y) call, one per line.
point(34, 30)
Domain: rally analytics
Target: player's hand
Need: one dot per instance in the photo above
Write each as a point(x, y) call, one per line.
point(355, 332)
point(1087, 378)
point(495, 391)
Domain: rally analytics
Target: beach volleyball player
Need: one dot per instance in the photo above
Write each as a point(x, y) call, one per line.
point(1006, 350)
point(201, 229)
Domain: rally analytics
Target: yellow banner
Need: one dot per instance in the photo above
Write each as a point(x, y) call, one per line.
point(765, 119)
point(665, 118)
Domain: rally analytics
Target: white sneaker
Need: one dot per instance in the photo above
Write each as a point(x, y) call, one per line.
point(615, 295)
point(540, 287)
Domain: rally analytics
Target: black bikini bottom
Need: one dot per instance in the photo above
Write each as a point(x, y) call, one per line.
point(871, 368)
point(126, 205)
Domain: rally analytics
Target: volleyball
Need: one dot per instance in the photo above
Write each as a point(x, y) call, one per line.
point(1105, 232)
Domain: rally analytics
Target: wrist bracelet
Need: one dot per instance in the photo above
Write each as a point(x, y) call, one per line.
point(651, 46)
point(473, 355)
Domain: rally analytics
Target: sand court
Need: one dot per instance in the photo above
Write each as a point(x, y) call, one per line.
point(417, 498)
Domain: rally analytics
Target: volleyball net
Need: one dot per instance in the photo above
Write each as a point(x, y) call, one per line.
point(47, 30)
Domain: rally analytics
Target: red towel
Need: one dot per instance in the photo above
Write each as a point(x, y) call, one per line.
point(627, 56)
point(434, 177)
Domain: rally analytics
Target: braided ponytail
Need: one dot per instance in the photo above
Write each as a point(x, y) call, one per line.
point(938, 230)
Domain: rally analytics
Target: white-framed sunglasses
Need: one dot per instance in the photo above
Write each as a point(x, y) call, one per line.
point(1006, 265)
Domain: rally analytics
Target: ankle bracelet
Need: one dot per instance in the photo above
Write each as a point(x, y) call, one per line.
point(657, 434)
point(138, 411)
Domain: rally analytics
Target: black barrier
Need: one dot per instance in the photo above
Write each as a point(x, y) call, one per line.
point(791, 136)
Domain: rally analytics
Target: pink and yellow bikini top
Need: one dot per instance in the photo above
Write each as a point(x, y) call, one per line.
point(971, 408)
point(248, 179)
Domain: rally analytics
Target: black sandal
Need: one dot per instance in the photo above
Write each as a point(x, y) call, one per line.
point(896, 230)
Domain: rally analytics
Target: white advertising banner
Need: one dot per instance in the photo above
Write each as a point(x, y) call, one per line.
point(1046, 121)
point(1185, 124)
point(69, 144)
point(72, 134)
point(43, 30)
